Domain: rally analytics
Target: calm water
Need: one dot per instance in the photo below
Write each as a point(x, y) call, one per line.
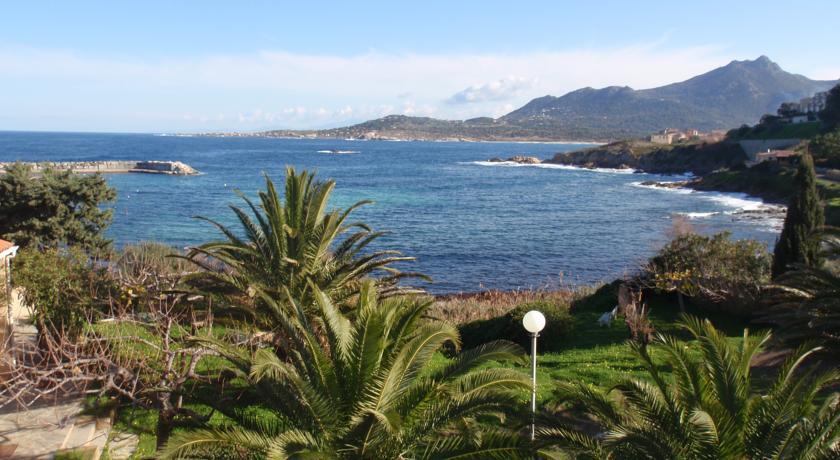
point(470, 225)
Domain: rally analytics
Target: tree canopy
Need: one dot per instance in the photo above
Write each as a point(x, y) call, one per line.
point(804, 217)
point(830, 115)
point(54, 208)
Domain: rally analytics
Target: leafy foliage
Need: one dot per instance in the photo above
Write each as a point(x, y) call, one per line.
point(710, 410)
point(714, 270)
point(804, 217)
point(806, 301)
point(64, 287)
point(364, 386)
point(293, 244)
point(826, 148)
point(57, 208)
point(831, 114)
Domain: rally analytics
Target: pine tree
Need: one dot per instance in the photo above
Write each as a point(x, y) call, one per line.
point(55, 208)
point(804, 216)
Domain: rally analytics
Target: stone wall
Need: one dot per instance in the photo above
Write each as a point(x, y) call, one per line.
point(155, 167)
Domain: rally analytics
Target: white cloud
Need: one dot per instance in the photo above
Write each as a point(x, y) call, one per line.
point(285, 89)
point(504, 88)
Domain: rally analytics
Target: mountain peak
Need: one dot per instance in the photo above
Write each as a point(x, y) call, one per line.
point(762, 62)
point(736, 93)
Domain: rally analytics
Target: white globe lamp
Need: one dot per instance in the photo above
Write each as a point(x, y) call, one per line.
point(534, 322)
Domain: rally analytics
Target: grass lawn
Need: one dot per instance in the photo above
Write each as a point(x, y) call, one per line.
point(591, 353)
point(600, 355)
point(831, 194)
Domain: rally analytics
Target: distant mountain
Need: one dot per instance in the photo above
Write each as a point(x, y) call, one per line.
point(729, 96)
point(737, 93)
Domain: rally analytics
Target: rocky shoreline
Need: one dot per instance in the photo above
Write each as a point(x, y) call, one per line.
point(697, 158)
point(172, 168)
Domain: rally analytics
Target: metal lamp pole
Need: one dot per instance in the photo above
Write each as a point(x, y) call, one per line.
point(534, 322)
point(534, 336)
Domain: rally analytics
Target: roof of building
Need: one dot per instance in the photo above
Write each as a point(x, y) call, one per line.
point(777, 154)
point(5, 245)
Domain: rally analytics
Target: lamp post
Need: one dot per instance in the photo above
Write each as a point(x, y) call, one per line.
point(534, 322)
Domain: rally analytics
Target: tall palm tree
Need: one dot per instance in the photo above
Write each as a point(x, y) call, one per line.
point(366, 387)
point(805, 302)
point(710, 410)
point(288, 244)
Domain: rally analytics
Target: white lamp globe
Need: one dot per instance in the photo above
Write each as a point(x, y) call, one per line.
point(533, 321)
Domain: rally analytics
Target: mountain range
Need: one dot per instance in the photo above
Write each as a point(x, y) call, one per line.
point(727, 97)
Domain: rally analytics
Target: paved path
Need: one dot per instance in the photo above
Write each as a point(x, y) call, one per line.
point(41, 432)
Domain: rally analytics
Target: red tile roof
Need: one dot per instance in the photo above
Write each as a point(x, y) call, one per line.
point(5, 245)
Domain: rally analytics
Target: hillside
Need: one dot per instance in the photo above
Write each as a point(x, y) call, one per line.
point(655, 158)
point(729, 96)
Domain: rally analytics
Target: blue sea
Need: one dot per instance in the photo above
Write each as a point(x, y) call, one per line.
point(471, 224)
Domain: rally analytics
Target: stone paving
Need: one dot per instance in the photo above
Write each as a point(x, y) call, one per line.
point(39, 433)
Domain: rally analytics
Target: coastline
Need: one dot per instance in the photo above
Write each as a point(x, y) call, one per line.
point(502, 140)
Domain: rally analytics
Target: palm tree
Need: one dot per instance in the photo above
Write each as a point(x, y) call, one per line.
point(366, 387)
point(291, 244)
point(710, 410)
point(806, 301)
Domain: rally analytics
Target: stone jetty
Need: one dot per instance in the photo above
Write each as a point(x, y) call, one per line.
point(175, 168)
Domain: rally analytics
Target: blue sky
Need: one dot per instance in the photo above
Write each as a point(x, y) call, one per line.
point(199, 66)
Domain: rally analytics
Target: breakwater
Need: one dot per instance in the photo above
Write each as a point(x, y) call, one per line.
point(175, 168)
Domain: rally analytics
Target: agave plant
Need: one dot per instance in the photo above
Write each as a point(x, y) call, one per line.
point(710, 410)
point(289, 244)
point(365, 387)
point(806, 301)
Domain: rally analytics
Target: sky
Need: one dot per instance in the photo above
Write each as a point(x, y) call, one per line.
point(190, 66)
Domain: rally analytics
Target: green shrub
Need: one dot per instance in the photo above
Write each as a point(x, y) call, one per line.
point(717, 272)
point(62, 286)
point(558, 324)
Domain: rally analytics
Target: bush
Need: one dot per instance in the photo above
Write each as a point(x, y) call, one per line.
point(558, 324)
point(715, 271)
point(62, 286)
point(826, 149)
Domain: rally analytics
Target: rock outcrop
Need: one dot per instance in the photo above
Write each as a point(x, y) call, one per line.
point(521, 159)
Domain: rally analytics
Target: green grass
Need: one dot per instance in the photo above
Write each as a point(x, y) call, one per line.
point(831, 194)
point(591, 353)
point(600, 355)
point(783, 131)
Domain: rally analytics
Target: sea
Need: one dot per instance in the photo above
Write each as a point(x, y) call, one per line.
point(471, 224)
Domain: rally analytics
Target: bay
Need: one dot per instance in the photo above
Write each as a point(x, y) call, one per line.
point(471, 225)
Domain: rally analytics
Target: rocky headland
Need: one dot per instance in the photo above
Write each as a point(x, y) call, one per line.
point(699, 158)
